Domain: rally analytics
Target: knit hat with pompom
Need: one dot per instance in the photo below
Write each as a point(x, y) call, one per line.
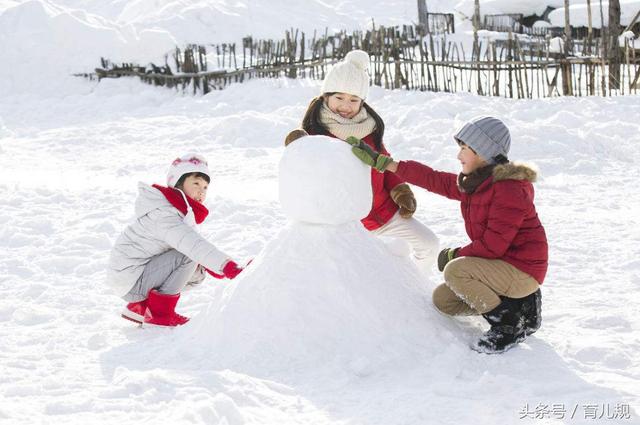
point(349, 76)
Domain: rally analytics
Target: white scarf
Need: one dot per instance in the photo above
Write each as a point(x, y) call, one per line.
point(361, 125)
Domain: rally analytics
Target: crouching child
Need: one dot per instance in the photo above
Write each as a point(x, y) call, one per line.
point(161, 251)
point(498, 273)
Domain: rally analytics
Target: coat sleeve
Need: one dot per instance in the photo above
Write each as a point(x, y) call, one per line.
point(185, 239)
point(391, 180)
point(421, 175)
point(507, 212)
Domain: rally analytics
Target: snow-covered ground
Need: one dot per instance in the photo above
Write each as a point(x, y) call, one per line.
point(68, 173)
point(72, 152)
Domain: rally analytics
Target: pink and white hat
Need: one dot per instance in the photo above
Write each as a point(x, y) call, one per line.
point(187, 164)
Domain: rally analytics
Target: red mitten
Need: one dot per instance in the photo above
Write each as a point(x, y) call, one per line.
point(231, 270)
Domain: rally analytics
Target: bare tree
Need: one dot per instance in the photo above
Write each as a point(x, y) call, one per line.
point(615, 53)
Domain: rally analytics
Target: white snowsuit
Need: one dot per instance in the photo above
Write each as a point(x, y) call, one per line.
point(158, 228)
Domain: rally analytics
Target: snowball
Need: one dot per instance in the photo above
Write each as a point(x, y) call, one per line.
point(322, 182)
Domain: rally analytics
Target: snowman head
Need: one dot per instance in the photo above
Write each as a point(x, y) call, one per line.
point(322, 182)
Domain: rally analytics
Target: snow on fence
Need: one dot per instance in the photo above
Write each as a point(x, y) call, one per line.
point(401, 58)
point(505, 22)
point(514, 22)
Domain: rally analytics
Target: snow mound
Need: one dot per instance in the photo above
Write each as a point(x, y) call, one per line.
point(312, 191)
point(68, 171)
point(321, 293)
point(45, 44)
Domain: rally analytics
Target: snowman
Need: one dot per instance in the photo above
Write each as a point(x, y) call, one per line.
point(324, 291)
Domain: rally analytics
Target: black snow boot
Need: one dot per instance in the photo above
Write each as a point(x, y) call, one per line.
point(531, 307)
point(507, 328)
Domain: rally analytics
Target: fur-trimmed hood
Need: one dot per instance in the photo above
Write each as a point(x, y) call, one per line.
point(515, 171)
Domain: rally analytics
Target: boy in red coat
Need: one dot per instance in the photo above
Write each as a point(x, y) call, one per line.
point(499, 272)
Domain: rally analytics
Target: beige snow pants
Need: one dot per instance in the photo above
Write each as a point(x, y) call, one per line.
point(474, 285)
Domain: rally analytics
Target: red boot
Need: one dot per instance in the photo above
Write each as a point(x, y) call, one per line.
point(135, 311)
point(161, 310)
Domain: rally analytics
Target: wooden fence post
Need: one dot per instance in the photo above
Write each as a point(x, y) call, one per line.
point(615, 54)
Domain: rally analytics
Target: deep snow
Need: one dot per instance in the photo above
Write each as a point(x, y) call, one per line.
point(72, 152)
point(69, 171)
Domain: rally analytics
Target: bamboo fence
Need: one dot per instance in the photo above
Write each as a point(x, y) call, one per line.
point(401, 58)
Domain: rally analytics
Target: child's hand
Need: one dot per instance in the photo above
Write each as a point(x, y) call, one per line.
point(231, 270)
point(368, 155)
point(445, 256)
point(403, 197)
point(294, 135)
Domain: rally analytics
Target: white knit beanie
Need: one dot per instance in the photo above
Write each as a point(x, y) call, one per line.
point(349, 76)
point(187, 164)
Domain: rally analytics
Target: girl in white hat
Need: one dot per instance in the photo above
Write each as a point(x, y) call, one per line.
point(341, 111)
point(160, 252)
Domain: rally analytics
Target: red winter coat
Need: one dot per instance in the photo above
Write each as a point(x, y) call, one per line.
point(499, 216)
point(382, 183)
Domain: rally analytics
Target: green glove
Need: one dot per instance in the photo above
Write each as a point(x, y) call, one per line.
point(368, 155)
point(445, 256)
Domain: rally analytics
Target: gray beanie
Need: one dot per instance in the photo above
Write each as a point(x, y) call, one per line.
point(487, 136)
